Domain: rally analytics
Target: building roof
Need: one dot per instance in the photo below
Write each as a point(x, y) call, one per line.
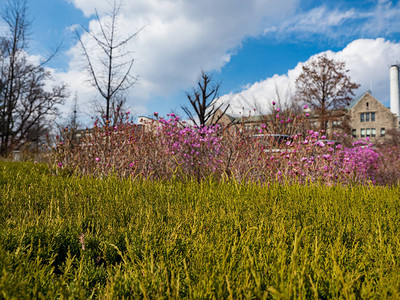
point(247, 119)
point(231, 118)
point(356, 100)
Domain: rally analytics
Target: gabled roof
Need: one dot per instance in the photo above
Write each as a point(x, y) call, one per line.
point(246, 119)
point(231, 118)
point(356, 100)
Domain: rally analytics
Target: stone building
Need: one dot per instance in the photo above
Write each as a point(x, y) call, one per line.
point(242, 123)
point(370, 118)
point(364, 117)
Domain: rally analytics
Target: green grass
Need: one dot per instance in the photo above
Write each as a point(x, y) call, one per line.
point(174, 239)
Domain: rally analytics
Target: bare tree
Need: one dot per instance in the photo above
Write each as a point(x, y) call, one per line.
point(203, 102)
point(26, 100)
point(109, 62)
point(325, 87)
point(67, 129)
point(118, 111)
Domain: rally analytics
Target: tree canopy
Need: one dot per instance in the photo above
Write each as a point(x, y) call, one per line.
point(325, 86)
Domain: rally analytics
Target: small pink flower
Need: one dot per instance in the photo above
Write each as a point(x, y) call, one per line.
point(273, 103)
point(307, 115)
point(60, 165)
point(131, 165)
point(305, 106)
point(97, 159)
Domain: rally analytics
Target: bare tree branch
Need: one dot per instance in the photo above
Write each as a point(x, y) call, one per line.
point(25, 102)
point(203, 102)
point(110, 74)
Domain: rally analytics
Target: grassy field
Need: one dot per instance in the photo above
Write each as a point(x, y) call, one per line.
point(83, 237)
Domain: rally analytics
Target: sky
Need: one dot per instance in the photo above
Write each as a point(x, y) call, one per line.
point(255, 48)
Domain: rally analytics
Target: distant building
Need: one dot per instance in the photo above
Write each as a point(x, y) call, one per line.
point(364, 117)
point(148, 124)
point(244, 123)
point(370, 118)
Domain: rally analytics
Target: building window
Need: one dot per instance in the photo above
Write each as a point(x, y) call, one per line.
point(368, 132)
point(367, 117)
point(354, 133)
point(362, 132)
point(367, 104)
point(383, 131)
point(373, 132)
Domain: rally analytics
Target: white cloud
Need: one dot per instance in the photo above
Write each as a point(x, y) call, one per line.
point(368, 61)
point(179, 39)
point(319, 20)
point(381, 19)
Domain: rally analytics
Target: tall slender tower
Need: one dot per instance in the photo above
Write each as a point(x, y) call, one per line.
point(394, 90)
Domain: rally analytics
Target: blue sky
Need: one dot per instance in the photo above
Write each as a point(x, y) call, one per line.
point(253, 47)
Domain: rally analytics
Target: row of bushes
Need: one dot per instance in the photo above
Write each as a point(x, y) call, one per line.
point(167, 148)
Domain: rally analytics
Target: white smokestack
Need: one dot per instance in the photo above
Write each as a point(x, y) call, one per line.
point(394, 90)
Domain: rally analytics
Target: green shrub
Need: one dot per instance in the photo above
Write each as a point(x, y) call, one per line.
point(80, 237)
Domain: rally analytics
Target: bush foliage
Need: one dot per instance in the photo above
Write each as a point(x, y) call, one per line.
point(168, 148)
point(84, 237)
